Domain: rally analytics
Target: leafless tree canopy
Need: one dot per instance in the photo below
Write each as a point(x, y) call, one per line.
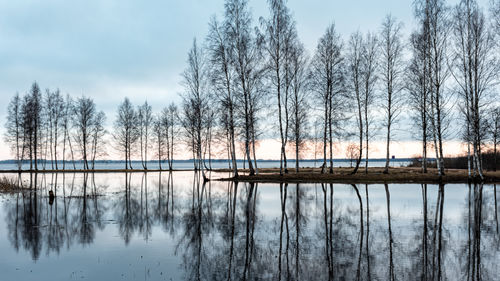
point(252, 80)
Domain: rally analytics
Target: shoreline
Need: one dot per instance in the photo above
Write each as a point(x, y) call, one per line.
point(375, 175)
point(312, 175)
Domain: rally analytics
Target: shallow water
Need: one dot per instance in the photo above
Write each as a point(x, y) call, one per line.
point(188, 164)
point(169, 226)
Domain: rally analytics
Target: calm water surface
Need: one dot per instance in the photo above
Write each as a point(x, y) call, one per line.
point(169, 226)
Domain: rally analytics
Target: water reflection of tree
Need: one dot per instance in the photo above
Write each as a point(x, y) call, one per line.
point(163, 203)
point(36, 221)
point(428, 245)
point(221, 236)
point(479, 251)
point(197, 224)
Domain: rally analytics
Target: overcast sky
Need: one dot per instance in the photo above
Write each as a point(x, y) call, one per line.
point(109, 49)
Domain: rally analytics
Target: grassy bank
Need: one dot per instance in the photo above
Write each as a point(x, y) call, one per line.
point(8, 185)
point(374, 175)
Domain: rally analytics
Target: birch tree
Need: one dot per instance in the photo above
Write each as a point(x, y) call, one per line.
point(495, 134)
point(245, 57)
point(475, 70)
point(98, 132)
point(125, 132)
point(418, 91)
point(391, 65)
point(354, 60)
point(83, 120)
point(144, 122)
point(369, 77)
point(195, 104)
point(280, 36)
point(14, 135)
point(299, 101)
point(327, 82)
point(222, 73)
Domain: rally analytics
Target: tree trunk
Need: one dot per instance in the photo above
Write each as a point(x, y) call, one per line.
point(387, 155)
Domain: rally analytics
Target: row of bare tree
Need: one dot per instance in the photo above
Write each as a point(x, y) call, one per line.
point(42, 128)
point(244, 68)
point(136, 130)
point(243, 74)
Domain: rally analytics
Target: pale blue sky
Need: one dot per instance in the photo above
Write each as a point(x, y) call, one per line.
point(114, 48)
point(109, 49)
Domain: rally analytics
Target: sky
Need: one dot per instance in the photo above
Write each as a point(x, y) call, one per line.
point(111, 49)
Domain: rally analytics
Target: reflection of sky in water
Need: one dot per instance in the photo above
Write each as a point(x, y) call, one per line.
point(116, 239)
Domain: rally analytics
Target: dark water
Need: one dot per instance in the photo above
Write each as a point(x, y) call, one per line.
point(172, 227)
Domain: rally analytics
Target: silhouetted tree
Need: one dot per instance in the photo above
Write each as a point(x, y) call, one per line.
point(221, 77)
point(125, 133)
point(98, 132)
point(280, 34)
point(144, 123)
point(245, 57)
point(327, 78)
point(391, 66)
point(31, 114)
point(14, 135)
point(299, 114)
point(354, 59)
point(195, 105)
point(475, 71)
point(369, 77)
point(418, 90)
point(495, 133)
point(84, 115)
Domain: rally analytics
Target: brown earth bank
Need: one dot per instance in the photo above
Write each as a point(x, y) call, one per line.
point(374, 175)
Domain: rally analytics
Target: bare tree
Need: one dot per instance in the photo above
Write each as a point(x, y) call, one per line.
point(354, 59)
point(14, 135)
point(31, 114)
point(280, 36)
point(144, 122)
point(299, 101)
point(66, 127)
point(392, 73)
point(53, 115)
point(98, 132)
point(125, 132)
point(369, 78)
point(159, 138)
point(475, 69)
point(245, 57)
point(435, 26)
point(327, 81)
point(169, 117)
point(195, 105)
point(83, 117)
point(418, 91)
point(221, 78)
point(352, 152)
point(495, 133)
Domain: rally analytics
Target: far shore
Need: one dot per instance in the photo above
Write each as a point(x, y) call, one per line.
point(313, 175)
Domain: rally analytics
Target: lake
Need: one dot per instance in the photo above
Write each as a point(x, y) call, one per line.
point(188, 164)
point(171, 226)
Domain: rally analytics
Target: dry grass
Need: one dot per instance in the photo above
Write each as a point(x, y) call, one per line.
point(374, 175)
point(8, 185)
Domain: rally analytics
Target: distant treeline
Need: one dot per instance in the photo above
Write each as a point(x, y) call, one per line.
point(445, 76)
point(489, 162)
